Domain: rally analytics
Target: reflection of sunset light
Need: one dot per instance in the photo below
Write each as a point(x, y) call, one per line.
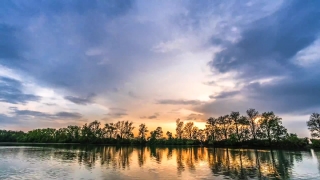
point(202, 163)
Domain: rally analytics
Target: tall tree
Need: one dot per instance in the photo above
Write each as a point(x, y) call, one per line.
point(179, 128)
point(244, 128)
point(74, 133)
point(201, 136)
point(169, 134)
point(159, 133)
point(211, 128)
point(271, 127)
point(235, 118)
point(155, 135)
point(314, 125)
point(110, 130)
point(252, 116)
point(195, 132)
point(188, 130)
point(224, 124)
point(95, 130)
point(143, 131)
point(124, 129)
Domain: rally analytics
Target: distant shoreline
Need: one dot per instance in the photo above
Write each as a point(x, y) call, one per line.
point(160, 146)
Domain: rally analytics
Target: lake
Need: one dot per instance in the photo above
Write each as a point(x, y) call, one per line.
point(110, 162)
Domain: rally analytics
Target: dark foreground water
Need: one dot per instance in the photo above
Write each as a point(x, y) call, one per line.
point(108, 162)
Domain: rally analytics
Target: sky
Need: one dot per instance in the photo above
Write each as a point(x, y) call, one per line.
point(71, 62)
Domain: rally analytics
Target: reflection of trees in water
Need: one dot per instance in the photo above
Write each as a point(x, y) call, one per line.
point(157, 153)
point(246, 164)
point(232, 163)
point(108, 156)
point(88, 156)
point(169, 154)
point(117, 157)
point(142, 158)
point(189, 158)
point(180, 158)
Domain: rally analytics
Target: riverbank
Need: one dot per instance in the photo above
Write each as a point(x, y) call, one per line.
point(217, 145)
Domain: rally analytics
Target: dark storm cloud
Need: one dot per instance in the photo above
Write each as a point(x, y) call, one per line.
point(268, 44)
point(266, 49)
point(289, 96)
point(75, 37)
point(179, 102)
point(11, 92)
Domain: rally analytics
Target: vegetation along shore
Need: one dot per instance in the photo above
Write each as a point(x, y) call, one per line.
point(233, 130)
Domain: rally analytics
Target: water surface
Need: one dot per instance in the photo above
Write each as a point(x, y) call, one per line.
point(110, 162)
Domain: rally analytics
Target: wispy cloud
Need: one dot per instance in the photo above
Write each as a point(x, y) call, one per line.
point(179, 102)
point(39, 114)
point(154, 116)
point(79, 100)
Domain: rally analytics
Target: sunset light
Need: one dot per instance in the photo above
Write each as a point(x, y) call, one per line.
point(146, 89)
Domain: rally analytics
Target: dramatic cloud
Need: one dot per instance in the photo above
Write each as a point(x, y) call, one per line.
point(203, 57)
point(63, 61)
point(269, 48)
point(267, 45)
point(11, 92)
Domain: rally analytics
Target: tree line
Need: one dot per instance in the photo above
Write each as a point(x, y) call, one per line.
point(251, 129)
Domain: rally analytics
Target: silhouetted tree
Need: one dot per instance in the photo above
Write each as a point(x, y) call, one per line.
point(314, 125)
point(143, 131)
point(224, 124)
point(124, 129)
point(158, 133)
point(235, 117)
point(169, 134)
point(244, 128)
point(110, 130)
point(252, 115)
point(270, 126)
point(211, 129)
